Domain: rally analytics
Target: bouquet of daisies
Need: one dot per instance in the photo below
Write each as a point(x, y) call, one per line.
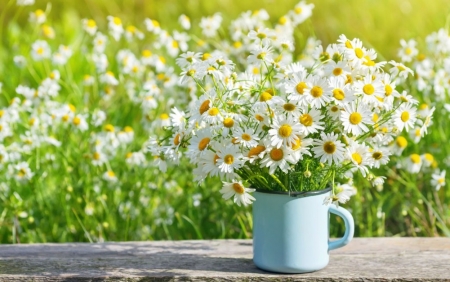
point(290, 127)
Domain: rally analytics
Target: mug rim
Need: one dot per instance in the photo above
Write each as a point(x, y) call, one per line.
point(295, 194)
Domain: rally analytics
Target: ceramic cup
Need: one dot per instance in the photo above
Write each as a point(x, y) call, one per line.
point(291, 232)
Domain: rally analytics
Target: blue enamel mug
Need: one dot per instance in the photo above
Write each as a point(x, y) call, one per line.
point(291, 231)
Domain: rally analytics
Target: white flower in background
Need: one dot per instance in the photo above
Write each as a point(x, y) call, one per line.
point(5, 130)
point(238, 190)
point(99, 158)
point(21, 171)
point(132, 32)
point(40, 50)
point(210, 25)
point(20, 61)
point(115, 27)
point(135, 158)
point(38, 17)
point(408, 50)
point(25, 2)
point(301, 12)
point(79, 121)
point(184, 21)
point(126, 135)
point(109, 78)
point(110, 176)
point(260, 55)
point(378, 182)
point(99, 42)
point(90, 26)
point(414, 163)
point(438, 179)
point(101, 62)
point(400, 70)
point(152, 26)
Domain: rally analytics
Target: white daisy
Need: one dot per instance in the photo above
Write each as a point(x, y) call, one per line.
point(240, 193)
point(329, 149)
point(414, 163)
point(277, 158)
point(359, 155)
point(320, 92)
point(355, 118)
point(379, 156)
point(438, 179)
point(246, 136)
point(341, 92)
point(371, 90)
point(230, 159)
point(311, 121)
point(284, 131)
point(405, 117)
point(296, 87)
point(343, 194)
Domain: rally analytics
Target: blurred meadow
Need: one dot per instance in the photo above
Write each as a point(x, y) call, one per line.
point(68, 197)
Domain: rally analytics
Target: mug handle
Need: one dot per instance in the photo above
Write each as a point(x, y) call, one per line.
point(349, 227)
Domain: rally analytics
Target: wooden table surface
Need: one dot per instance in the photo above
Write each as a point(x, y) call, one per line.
point(364, 259)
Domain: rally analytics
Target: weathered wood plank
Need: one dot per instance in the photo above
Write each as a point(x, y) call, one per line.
point(364, 259)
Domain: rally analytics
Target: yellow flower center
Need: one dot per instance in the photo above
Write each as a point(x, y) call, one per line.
point(334, 109)
point(405, 116)
point(348, 44)
point(441, 181)
point(228, 122)
point(289, 107)
point(355, 118)
point(31, 121)
point(65, 118)
point(213, 112)
point(338, 94)
point(388, 90)
point(316, 91)
point(109, 128)
point(176, 140)
point(415, 158)
point(40, 50)
point(357, 158)
point(91, 23)
point(276, 154)
point(329, 147)
point(117, 21)
point(297, 144)
point(298, 10)
point(238, 188)
point(301, 87)
point(429, 157)
point(111, 173)
point(261, 56)
point(204, 107)
point(306, 120)
point(76, 121)
point(237, 44)
point(401, 142)
point(377, 155)
point(285, 130)
point(282, 20)
point(203, 143)
point(96, 156)
point(265, 96)
point(368, 89)
point(408, 51)
point(256, 151)
point(337, 71)
point(246, 137)
point(359, 53)
point(228, 159)
point(21, 173)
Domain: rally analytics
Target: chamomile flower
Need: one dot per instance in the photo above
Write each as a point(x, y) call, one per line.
point(110, 176)
point(338, 69)
point(438, 179)
point(25, 2)
point(90, 26)
point(79, 121)
point(184, 21)
point(152, 26)
point(329, 149)
point(38, 17)
point(246, 136)
point(355, 118)
point(341, 92)
point(21, 171)
point(284, 131)
point(260, 55)
point(343, 194)
point(371, 90)
point(408, 50)
point(359, 155)
point(40, 50)
point(296, 88)
point(379, 156)
point(210, 25)
point(400, 70)
point(115, 27)
point(99, 158)
point(320, 92)
point(230, 159)
point(277, 158)
point(199, 143)
point(239, 191)
point(311, 121)
point(405, 117)
point(414, 163)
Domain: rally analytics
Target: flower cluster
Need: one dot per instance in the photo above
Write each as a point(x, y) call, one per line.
point(292, 126)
